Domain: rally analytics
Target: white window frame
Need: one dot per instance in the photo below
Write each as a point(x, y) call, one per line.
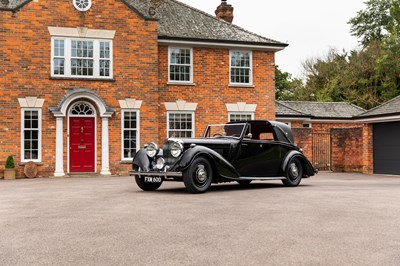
point(68, 56)
point(123, 129)
point(190, 81)
point(39, 110)
point(250, 83)
point(309, 125)
point(240, 113)
point(181, 112)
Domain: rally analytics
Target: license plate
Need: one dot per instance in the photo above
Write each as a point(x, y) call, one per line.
point(152, 179)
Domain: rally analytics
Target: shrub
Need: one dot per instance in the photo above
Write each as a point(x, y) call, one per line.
point(10, 162)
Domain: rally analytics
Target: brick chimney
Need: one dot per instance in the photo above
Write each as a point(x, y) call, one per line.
point(224, 11)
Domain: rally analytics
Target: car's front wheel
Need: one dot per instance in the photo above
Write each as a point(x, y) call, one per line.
point(293, 173)
point(146, 186)
point(198, 176)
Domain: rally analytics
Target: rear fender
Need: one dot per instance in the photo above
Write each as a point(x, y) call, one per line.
point(308, 168)
point(141, 160)
point(222, 166)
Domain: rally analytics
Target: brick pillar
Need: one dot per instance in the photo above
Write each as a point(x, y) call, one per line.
point(368, 159)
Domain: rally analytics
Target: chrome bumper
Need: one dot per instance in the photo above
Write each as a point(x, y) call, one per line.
point(162, 174)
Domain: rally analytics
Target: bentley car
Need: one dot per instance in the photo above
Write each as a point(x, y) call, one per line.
point(237, 151)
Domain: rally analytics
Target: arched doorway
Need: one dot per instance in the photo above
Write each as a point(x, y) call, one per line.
point(82, 138)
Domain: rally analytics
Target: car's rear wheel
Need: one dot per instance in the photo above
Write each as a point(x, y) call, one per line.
point(146, 186)
point(293, 173)
point(198, 176)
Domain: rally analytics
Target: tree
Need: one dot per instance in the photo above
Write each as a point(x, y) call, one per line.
point(373, 23)
point(288, 88)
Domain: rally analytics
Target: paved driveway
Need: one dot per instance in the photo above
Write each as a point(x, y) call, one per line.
point(330, 219)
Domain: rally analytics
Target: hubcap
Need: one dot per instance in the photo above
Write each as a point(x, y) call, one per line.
point(294, 170)
point(201, 174)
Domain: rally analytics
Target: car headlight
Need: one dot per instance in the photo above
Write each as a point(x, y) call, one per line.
point(151, 149)
point(176, 149)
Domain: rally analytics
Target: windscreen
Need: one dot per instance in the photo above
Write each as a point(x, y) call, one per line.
point(224, 131)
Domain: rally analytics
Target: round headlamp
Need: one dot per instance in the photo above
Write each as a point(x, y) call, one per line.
point(151, 149)
point(176, 149)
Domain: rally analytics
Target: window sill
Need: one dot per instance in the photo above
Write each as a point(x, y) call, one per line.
point(241, 86)
point(126, 161)
point(24, 163)
point(82, 79)
point(171, 83)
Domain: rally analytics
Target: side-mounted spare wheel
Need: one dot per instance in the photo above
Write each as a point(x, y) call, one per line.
point(198, 176)
point(293, 173)
point(145, 185)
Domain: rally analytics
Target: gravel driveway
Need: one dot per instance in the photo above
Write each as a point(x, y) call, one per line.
point(330, 219)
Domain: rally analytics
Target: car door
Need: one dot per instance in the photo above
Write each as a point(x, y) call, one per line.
point(259, 158)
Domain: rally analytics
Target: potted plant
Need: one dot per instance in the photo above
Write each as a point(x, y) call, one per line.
point(9, 171)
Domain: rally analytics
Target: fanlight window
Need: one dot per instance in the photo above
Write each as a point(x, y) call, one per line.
point(82, 109)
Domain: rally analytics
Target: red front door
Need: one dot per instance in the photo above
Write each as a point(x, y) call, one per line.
point(81, 144)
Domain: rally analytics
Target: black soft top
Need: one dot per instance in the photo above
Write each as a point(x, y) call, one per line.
point(281, 131)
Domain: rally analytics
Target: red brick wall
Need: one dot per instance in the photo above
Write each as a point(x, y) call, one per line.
point(212, 91)
point(367, 149)
point(25, 70)
point(347, 149)
point(303, 139)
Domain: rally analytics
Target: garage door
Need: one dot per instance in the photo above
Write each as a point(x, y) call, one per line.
point(387, 148)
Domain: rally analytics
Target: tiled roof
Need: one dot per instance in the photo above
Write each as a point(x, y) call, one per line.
point(12, 4)
point(283, 110)
point(330, 110)
point(388, 108)
point(178, 21)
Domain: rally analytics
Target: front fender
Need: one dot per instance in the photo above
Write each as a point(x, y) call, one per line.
point(223, 167)
point(308, 168)
point(142, 160)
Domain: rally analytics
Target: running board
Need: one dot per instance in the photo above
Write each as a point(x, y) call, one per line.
point(261, 178)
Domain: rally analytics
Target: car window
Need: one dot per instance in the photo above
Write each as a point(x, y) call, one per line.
point(267, 136)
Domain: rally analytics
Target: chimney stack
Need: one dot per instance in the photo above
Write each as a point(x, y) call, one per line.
point(224, 11)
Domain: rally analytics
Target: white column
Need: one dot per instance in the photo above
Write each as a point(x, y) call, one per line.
point(105, 159)
point(59, 148)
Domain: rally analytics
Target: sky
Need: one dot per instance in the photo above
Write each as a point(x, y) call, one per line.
point(310, 27)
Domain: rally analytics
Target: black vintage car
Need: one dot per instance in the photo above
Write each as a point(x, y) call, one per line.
point(237, 151)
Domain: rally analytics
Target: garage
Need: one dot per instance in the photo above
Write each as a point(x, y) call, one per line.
point(386, 148)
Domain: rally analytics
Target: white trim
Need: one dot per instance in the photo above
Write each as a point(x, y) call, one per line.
point(81, 32)
point(105, 149)
point(306, 123)
point(137, 132)
point(268, 48)
point(238, 84)
point(182, 112)
point(180, 105)
point(393, 118)
point(317, 120)
point(241, 107)
point(59, 168)
point(39, 110)
point(190, 81)
point(95, 135)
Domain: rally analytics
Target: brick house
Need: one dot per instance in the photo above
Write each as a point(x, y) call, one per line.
point(84, 84)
